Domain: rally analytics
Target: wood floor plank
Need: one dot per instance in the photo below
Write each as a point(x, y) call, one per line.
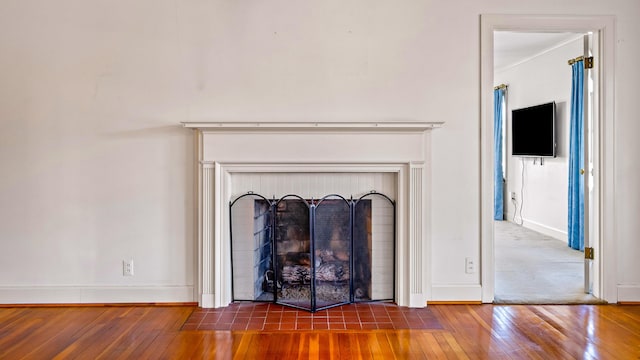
point(347, 343)
point(38, 337)
point(364, 347)
point(469, 332)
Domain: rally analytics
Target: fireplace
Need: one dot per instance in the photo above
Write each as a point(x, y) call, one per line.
point(276, 160)
point(313, 254)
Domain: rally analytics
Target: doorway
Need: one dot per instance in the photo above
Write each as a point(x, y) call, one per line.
point(601, 268)
point(533, 263)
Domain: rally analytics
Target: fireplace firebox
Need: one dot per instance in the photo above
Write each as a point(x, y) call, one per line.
point(313, 254)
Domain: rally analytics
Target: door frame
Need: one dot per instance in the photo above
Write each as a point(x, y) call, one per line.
point(605, 258)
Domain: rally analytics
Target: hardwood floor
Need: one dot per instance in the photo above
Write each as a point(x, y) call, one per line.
point(470, 332)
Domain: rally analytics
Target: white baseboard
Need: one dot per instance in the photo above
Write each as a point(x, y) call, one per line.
point(541, 228)
point(94, 294)
point(546, 230)
point(630, 293)
point(455, 292)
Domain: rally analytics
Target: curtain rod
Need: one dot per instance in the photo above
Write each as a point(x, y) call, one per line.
point(501, 86)
point(575, 60)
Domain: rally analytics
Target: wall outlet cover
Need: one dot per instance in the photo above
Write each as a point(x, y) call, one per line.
point(127, 267)
point(470, 265)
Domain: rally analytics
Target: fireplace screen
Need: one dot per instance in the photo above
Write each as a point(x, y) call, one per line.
point(313, 254)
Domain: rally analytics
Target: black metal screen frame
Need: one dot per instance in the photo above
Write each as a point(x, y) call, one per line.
point(275, 253)
point(313, 219)
point(231, 203)
point(312, 206)
point(393, 205)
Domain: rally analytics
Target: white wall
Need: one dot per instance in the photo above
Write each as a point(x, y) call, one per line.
point(95, 169)
point(543, 78)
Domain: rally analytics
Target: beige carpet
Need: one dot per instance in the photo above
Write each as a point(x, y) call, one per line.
point(532, 268)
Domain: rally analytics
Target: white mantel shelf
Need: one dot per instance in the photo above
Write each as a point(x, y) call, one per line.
point(410, 126)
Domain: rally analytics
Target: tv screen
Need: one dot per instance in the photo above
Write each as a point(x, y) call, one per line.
point(533, 131)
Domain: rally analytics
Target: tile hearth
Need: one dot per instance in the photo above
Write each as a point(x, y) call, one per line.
point(242, 316)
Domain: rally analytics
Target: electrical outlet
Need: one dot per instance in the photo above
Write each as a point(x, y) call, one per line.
point(127, 267)
point(513, 195)
point(470, 265)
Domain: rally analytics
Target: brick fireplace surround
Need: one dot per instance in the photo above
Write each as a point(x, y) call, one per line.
point(228, 148)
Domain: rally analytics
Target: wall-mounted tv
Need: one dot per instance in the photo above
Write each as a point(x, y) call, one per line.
point(533, 131)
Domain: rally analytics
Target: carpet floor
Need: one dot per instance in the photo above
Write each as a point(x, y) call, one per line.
point(532, 268)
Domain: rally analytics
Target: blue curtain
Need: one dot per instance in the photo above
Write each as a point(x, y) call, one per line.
point(576, 160)
point(498, 182)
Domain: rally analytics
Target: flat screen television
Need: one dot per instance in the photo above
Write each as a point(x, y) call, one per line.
point(533, 131)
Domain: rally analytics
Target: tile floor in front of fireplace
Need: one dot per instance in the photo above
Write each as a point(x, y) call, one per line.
point(273, 317)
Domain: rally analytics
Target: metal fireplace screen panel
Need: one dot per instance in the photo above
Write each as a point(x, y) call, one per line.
point(292, 241)
point(374, 248)
point(251, 248)
point(332, 253)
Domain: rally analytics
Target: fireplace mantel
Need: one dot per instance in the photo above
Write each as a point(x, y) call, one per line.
point(399, 148)
point(409, 126)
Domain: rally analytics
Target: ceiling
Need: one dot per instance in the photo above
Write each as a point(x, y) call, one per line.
point(510, 47)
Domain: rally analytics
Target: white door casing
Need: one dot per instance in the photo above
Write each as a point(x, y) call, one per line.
point(603, 138)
